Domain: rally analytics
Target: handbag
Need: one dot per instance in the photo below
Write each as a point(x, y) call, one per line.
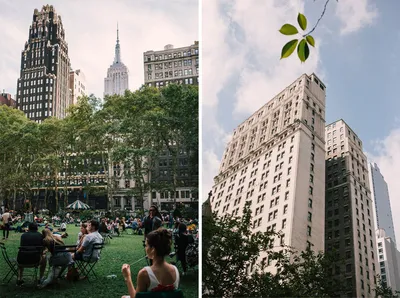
point(72, 274)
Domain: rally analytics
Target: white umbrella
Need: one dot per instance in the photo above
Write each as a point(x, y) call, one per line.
point(78, 205)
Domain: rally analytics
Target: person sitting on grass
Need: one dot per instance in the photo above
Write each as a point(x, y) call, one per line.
point(58, 261)
point(63, 227)
point(85, 250)
point(160, 276)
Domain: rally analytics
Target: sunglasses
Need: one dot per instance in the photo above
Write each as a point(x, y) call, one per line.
point(152, 210)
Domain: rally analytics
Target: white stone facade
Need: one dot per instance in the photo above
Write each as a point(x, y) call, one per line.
point(276, 160)
point(388, 260)
point(77, 85)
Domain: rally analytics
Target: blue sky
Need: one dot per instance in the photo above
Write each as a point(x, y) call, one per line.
point(90, 29)
point(356, 55)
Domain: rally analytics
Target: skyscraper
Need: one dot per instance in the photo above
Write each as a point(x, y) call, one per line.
point(380, 196)
point(349, 224)
point(387, 252)
point(276, 160)
point(117, 78)
point(42, 89)
point(179, 66)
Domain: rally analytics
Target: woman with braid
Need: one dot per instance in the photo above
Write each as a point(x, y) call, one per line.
point(160, 276)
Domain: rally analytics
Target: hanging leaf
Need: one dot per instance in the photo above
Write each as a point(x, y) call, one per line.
point(288, 29)
point(303, 51)
point(302, 20)
point(288, 48)
point(310, 40)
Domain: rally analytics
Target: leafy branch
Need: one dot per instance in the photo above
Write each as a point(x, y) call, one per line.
point(316, 24)
point(303, 51)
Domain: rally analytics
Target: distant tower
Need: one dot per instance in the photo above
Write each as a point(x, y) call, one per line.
point(117, 78)
point(42, 89)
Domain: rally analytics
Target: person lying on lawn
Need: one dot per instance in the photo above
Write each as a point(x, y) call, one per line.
point(160, 276)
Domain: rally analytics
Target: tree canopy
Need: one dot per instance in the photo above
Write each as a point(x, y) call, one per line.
point(120, 138)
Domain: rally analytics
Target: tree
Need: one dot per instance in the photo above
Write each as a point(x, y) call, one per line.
point(383, 291)
point(176, 130)
point(230, 248)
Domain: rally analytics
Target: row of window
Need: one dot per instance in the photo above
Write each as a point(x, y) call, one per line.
point(185, 62)
point(187, 81)
point(179, 54)
point(34, 82)
point(170, 74)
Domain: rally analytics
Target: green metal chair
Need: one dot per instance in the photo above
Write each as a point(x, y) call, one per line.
point(11, 262)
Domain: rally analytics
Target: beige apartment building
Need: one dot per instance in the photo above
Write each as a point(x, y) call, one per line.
point(77, 85)
point(349, 224)
point(172, 65)
point(276, 160)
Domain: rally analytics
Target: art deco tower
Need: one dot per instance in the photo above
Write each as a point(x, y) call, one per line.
point(42, 89)
point(117, 78)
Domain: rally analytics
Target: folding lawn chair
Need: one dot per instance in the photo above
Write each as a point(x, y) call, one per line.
point(87, 267)
point(35, 254)
point(12, 264)
point(169, 294)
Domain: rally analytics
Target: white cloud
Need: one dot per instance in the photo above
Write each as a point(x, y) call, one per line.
point(211, 164)
point(388, 160)
point(355, 14)
point(244, 42)
point(90, 28)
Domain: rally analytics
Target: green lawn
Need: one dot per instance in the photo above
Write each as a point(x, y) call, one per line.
point(123, 249)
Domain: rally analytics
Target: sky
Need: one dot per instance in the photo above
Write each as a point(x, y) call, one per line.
point(356, 56)
point(91, 33)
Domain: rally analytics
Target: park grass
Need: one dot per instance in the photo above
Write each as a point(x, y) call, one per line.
point(120, 250)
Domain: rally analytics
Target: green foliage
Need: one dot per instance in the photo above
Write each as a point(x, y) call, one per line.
point(302, 20)
point(288, 29)
point(310, 40)
point(230, 248)
point(288, 48)
point(383, 291)
point(130, 130)
point(303, 50)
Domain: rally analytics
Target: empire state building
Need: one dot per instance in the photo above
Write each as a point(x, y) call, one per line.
point(116, 81)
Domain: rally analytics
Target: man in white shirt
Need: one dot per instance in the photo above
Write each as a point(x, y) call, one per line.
point(6, 219)
point(94, 237)
point(63, 227)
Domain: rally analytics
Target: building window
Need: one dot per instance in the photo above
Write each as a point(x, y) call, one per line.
point(309, 217)
point(285, 208)
point(310, 190)
point(308, 230)
point(310, 203)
